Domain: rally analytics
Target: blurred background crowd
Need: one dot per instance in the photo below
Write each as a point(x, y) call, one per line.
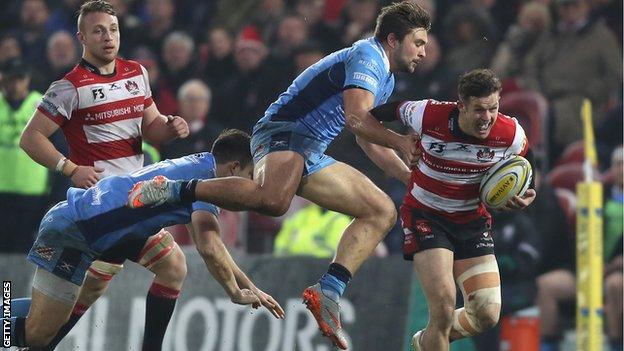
point(219, 64)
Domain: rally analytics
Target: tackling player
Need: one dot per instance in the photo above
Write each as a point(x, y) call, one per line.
point(289, 142)
point(75, 232)
point(447, 228)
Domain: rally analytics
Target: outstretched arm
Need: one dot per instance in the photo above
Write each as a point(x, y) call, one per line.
point(205, 232)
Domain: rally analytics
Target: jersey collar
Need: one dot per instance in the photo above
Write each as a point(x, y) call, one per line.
point(377, 45)
point(91, 68)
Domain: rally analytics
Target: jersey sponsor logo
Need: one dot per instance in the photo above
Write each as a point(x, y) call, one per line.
point(437, 148)
point(97, 92)
point(113, 86)
point(485, 154)
point(114, 113)
point(132, 87)
point(365, 78)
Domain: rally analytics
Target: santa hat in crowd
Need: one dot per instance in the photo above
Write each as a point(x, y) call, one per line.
point(250, 38)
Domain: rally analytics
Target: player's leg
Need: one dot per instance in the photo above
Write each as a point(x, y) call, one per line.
point(479, 281)
point(613, 308)
point(434, 268)
point(342, 188)
point(51, 303)
point(161, 255)
point(553, 287)
point(95, 285)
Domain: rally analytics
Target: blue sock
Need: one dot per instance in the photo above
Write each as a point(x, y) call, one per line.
point(334, 282)
point(20, 307)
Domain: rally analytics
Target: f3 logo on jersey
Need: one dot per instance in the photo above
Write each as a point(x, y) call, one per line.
point(437, 148)
point(98, 94)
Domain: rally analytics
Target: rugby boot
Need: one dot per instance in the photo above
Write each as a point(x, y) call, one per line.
point(153, 192)
point(327, 314)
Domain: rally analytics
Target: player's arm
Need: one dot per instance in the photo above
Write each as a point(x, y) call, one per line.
point(205, 232)
point(521, 202)
point(157, 128)
point(357, 103)
point(36, 143)
point(386, 159)
point(206, 235)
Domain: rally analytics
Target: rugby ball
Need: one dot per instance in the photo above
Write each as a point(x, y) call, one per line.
point(507, 178)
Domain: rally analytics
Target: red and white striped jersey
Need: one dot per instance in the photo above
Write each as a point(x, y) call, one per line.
point(101, 115)
point(447, 177)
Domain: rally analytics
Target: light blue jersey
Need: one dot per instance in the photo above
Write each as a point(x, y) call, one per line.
point(310, 114)
point(74, 232)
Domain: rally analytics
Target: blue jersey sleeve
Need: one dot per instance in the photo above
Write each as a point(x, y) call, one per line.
point(204, 206)
point(363, 69)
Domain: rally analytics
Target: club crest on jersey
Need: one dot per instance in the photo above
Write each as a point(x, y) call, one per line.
point(132, 87)
point(485, 154)
point(98, 94)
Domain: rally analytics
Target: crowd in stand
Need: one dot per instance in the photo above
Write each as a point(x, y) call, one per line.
point(219, 64)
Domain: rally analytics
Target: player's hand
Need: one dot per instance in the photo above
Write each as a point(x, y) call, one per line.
point(86, 176)
point(408, 149)
point(245, 297)
point(518, 203)
point(178, 126)
point(269, 303)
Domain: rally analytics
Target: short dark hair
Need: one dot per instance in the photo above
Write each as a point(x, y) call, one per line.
point(94, 6)
point(232, 145)
point(400, 18)
point(479, 82)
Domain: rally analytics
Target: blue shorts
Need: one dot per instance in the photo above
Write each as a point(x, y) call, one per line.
point(60, 247)
point(273, 136)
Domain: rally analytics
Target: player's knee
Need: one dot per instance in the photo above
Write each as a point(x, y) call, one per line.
point(92, 288)
point(442, 312)
point(384, 212)
point(173, 268)
point(488, 316)
point(276, 206)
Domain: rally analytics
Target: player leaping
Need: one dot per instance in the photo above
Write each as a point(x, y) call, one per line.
point(289, 142)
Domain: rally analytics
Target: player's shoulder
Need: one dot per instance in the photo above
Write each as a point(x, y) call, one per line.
point(128, 67)
point(505, 128)
point(369, 51)
point(436, 108)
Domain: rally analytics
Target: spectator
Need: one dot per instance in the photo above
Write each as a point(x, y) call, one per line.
point(312, 13)
point(533, 20)
point(23, 183)
point(9, 48)
point(62, 55)
point(218, 64)
point(579, 59)
point(160, 22)
point(431, 78)
point(359, 20)
point(305, 56)
point(242, 99)
point(194, 99)
point(470, 38)
point(32, 31)
point(292, 32)
point(177, 53)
